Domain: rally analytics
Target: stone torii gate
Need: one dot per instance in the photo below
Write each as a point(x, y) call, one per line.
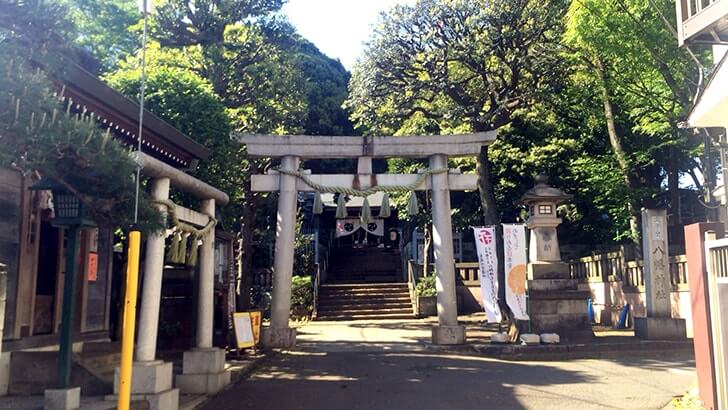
point(291, 149)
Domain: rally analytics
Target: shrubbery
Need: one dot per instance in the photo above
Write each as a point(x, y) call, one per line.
point(426, 286)
point(301, 296)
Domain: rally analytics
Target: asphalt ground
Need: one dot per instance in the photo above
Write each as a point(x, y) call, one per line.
point(387, 365)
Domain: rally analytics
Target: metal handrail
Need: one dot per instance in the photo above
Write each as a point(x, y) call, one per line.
point(316, 283)
point(411, 279)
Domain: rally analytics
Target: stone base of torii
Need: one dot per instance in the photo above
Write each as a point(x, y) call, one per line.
point(292, 149)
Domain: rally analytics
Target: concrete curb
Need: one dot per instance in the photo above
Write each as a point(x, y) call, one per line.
point(651, 349)
point(238, 374)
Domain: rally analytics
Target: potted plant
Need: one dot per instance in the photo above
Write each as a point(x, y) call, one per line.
point(426, 297)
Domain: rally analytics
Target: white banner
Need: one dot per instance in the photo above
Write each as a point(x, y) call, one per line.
point(488, 259)
point(514, 247)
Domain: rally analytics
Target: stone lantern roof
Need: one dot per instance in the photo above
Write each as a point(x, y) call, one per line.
point(542, 191)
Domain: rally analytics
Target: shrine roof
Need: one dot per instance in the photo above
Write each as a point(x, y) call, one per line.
point(117, 112)
point(322, 147)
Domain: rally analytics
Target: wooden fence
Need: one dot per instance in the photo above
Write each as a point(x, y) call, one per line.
point(466, 273)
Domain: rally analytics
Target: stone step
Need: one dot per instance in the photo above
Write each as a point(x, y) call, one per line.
point(364, 306)
point(376, 316)
point(373, 297)
point(381, 297)
point(369, 310)
point(364, 289)
point(365, 301)
point(363, 285)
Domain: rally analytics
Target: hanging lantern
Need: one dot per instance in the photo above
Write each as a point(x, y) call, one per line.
point(68, 209)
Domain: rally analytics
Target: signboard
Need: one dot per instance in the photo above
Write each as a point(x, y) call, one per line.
point(93, 266)
point(247, 328)
point(488, 260)
point(514, 247)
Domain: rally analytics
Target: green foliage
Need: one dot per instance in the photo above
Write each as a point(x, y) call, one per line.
point(105, 28)
point(426, 286)
point(438, 67)
point(625, 51)
point(326, 90)
point(304, 261)
point(41, 132)
point(301, 296)
point(187, 101)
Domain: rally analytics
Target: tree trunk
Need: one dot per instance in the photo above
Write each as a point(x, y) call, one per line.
point(426, 250)
point(673, 187)
point(616, 143)
point(490, 217)
point(485, 188)
point(247, 223)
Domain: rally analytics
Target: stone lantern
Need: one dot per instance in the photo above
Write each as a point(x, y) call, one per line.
point(555, 303)
point(542, 201)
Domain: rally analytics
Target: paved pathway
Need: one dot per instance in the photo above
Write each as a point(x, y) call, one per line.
point(370, 365)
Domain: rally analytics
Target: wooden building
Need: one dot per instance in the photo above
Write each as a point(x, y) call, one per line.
point(34, 250)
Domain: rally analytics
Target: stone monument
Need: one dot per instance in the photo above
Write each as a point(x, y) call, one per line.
point(556, 305)
point(659, 323)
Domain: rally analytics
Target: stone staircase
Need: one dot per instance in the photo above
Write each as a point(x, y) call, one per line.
point(364, 301)
point(31, 372)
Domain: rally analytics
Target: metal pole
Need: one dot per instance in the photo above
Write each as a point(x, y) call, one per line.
point(141, 109)
point(69, 287)
point(129, 321)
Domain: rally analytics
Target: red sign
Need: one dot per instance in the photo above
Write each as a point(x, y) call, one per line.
point(93, 266)
point(485, 237)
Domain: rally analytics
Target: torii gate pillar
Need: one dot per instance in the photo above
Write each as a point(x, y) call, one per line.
point(448, 332)
point(279, 334)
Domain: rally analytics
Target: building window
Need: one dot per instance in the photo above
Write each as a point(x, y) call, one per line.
point(545, 209)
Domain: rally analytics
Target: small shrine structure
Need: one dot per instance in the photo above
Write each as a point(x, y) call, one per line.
point(288, 180)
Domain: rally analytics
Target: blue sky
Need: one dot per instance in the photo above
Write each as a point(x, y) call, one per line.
point(338, 27)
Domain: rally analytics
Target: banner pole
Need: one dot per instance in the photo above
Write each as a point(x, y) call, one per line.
point(129, 321)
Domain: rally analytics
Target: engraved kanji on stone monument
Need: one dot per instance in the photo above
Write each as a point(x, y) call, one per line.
point(656, 266)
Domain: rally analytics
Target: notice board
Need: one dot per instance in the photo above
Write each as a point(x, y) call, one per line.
point(247, 328)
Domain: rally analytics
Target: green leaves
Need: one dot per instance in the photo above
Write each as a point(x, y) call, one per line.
point(445, 64)
point(43, 132)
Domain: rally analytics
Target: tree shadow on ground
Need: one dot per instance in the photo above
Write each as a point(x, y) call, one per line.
point(396, 379)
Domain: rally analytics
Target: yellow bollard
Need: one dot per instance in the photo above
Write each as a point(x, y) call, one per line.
point(127, 338)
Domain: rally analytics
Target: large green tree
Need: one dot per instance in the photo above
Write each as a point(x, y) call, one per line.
point(456, 66)
point(625, 51)
point(228, 43)
point(105, 29)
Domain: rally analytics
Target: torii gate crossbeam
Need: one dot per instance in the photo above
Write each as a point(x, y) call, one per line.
point(292, 148)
